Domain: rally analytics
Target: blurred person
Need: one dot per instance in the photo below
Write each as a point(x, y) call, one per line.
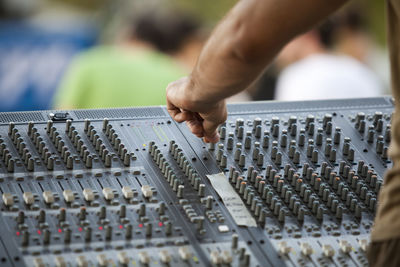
point(133, 72)
point(310, 70)
point(352, 38)
point(264, 87)
point(33, 55)
point(190, 49)
point(344, 34)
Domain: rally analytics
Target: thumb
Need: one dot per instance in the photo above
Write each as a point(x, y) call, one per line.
point(212, 119)
point(210, 131)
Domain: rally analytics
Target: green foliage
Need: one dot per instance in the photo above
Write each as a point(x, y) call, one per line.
point(209, 11)
point(376, 20)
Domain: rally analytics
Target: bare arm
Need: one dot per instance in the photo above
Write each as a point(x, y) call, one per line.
point(238, 50)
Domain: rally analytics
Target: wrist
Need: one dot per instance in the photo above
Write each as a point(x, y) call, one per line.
point(199, 95)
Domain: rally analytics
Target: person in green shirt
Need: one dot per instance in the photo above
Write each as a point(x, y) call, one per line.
point(134, 73)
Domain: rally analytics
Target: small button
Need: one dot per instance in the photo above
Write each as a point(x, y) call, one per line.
point(284, 248)
point(147, 192)
point(328, 251)
point(28, 198)
point(165, 257)
point(68, 195)
point(48, 197)
point(123, 258)
point(345, 246)
point(88, 194)
point(8, 199)
point(127, 192)
point(108, 193)
point(82, 262)
point(223, 228)
point(184, 253)
point(144, 257)
point(306, 249)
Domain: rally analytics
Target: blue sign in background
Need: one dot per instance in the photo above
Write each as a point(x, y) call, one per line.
point(32, 61)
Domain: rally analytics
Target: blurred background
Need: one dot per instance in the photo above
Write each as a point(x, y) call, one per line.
point(116, 53)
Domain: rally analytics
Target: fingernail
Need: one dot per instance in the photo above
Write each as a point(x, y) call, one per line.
point(212, 139)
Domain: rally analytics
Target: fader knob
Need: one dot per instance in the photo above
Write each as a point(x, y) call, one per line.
point(102, 260)
point(274, 121)
point(42, 216)
point(310, 119)
point(240, 132)
point(82, 262)
point(165, 257)
point(46, 237)
point(239, 123)
point(258, 131)
point(70, 163)
point(144, 257)
point(168, 228)
point(327, 118)
point(31, 164)
point(103, 212)
point(105, 124)
point(21, 217)
point(328, 251)
point(128, 232)
point(184, 253)
point(149, 229)
point(108, 233)
point(142, 210)
point(25, 238)
point(222, 132)
point(11, 165)
point(200, 223)
point(82, 214)
point(161, 208)
point(88, 234)
point(60, 262)
point(67, 236)
point(292, 120)
point(62, 215)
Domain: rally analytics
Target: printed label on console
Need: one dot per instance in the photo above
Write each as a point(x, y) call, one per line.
point(232, 201)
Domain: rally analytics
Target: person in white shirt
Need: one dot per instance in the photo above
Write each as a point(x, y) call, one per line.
point(311, 72)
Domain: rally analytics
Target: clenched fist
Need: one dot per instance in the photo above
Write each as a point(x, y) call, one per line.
point(201, 116)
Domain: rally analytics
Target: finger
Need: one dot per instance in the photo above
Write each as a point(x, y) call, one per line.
point(195, 127)
point(211, 139)
point(173, 111)
point(184, 116)
point(210, 131)
point(175, 114)
point(212, 119)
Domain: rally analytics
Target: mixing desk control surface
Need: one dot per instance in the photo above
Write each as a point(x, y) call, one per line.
point(289, 183)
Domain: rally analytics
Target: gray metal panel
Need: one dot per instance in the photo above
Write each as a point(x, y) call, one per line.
point(277, 106)
point(21, 116)
point(147, 112)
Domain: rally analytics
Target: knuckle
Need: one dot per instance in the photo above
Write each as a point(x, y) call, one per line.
point(223, 118)
point(171, 86)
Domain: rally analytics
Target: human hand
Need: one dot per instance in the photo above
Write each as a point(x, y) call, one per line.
point(202, 117)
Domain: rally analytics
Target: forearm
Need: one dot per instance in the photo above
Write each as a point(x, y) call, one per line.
point(247, 40)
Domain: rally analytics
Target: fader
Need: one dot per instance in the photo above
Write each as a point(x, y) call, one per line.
point(130, 187)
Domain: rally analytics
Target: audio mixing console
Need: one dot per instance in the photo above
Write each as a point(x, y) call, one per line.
point(289, 183)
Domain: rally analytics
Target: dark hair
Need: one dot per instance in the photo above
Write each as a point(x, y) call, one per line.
point(166, 31)
point(351, 19)
point(354, 20)
point(326, 32)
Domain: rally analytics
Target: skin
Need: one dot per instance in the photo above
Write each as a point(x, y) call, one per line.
point(299, 48)
point(236, 53)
